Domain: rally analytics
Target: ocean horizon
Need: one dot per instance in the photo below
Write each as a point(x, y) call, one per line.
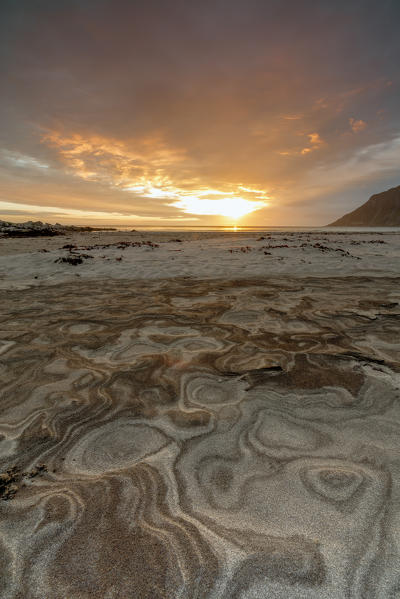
point(244, 229)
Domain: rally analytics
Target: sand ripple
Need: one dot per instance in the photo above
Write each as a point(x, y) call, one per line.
point(230, 440)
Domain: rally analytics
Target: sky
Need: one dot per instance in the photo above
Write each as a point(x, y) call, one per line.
point(197, 112)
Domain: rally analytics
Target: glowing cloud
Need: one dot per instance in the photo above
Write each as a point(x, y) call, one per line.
point(149, 168)
point(357, 125)
point(315, 139)
point(91, 215)
point(315, 143)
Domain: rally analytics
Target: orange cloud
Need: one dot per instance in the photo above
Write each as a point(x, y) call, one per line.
point(357, 125)
point(315, 139)
point(93, 157)
point(292, 117)
point(315, 142)
point(150, 168)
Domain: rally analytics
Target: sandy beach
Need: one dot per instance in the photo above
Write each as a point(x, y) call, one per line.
point(26, 262)
point(194, 415)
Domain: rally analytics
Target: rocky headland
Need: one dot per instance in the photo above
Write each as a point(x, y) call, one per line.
point(381, 210)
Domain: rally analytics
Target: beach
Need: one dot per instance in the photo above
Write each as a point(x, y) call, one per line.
point(200, 415)
point(26, 262)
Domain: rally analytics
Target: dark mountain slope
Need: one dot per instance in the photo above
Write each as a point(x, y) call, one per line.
point(381, 210)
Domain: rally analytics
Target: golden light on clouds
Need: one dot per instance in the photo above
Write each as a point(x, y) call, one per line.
point(149, 168)
point(315, 139)
point(357, 125)
point(315, 142)
point(110, 160)
point(93, 216)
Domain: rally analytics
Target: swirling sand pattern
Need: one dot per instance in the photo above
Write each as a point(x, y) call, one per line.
point(235, 439)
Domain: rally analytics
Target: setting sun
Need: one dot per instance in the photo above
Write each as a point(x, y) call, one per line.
point(232, 207)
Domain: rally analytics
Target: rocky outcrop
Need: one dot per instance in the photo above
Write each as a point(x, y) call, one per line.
point(39, 229)
point(381, 210)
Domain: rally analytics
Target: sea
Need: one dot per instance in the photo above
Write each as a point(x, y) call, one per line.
point(260, 229)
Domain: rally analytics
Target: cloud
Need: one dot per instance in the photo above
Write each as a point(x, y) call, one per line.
point(9, 208)
point(315, 139)
point(19, 160)
point(144, 163)
point(315, 143)
point(365, 165)
point(149, 168)
point(292, 117)
point(357, 125)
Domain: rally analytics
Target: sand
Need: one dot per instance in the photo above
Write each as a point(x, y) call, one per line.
point(28, 262)
point(200, 419)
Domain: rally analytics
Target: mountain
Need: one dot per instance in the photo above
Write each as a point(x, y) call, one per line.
point(381, 210)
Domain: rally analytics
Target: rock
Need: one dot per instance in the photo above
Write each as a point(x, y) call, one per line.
point(74, 260)
point(39, 229)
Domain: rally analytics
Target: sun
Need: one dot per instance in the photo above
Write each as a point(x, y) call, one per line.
point(236, 208)
point(232, 207)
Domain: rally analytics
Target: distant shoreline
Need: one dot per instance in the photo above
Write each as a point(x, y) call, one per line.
point(41, 229)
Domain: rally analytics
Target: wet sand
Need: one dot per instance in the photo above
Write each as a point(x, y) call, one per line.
point(180, 436)
point(125, 256)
